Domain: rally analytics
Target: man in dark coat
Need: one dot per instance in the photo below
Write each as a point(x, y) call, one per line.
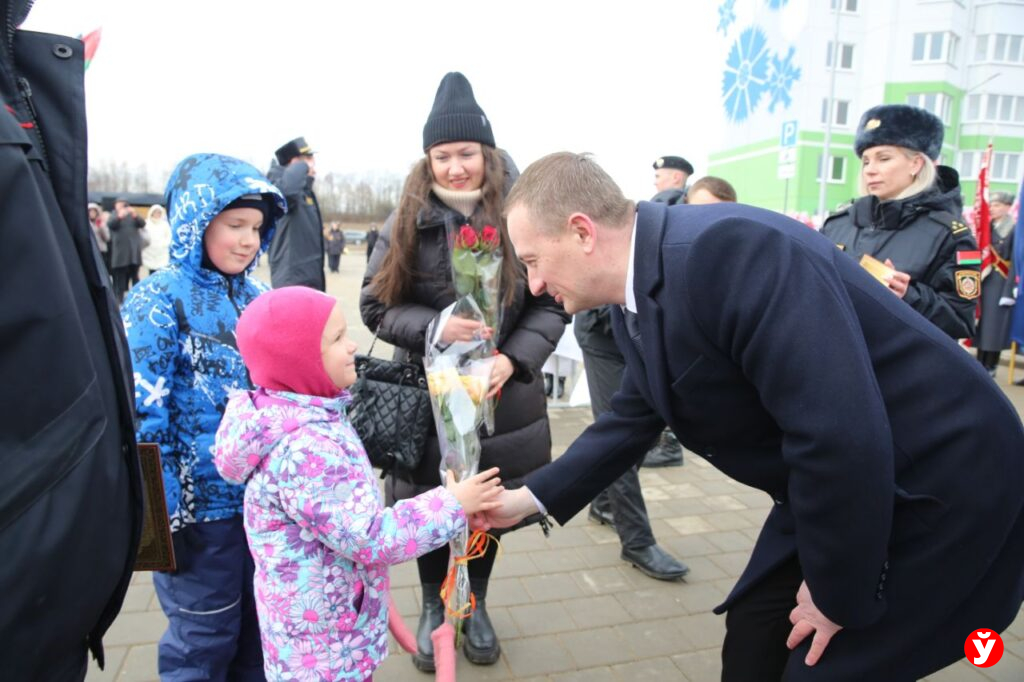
point(70, 498)
point(997, 286)
point(791, 369)
point(297, 251)
point(125, 227)
point(335, 246)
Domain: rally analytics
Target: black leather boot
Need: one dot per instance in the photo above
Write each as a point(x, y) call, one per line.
point(481, 644)
point(431, 617)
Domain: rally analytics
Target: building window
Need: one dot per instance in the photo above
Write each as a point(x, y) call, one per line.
point(973, 108)
point(935, 46)
point(836, 169)
point(995, 108)
point(1004, 167)
point(968, 165)
point(845, 56)
point(999, 47)
point(840, 112)
point(847, 5)
point(981, 48)
point(936, 102)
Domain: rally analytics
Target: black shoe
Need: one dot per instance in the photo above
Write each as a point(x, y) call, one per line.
point(667, 453)
point(655, 562)
point(604, 517)
point(430, 619)
point(481, 643)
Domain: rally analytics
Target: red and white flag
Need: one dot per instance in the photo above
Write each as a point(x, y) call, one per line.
point(982, 222)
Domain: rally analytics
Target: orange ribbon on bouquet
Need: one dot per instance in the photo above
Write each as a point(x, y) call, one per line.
point(477, 546)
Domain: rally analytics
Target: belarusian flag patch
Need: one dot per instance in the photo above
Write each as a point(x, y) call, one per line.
point(968, 257)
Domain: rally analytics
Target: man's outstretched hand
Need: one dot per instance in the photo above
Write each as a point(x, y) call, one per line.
point(513, 507)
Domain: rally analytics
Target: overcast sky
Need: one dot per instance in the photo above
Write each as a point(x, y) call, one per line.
point(357, 79)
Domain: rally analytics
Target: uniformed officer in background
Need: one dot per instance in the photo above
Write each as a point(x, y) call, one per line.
point(621, 505)
point(670, 176)
point(909, 218)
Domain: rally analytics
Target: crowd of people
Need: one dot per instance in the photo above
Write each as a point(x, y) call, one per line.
point(888, 540)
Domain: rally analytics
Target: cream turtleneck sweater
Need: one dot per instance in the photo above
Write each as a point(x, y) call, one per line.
point(463, 202)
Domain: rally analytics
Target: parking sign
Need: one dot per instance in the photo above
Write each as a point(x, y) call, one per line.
point(788, 136)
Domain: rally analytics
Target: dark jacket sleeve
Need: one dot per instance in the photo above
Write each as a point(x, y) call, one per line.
point(602, 453)
point(937, 295)
point(293, 180)
point(403, 325)
point(540, 326)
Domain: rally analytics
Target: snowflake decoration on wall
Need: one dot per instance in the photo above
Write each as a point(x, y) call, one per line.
point(746, 74)
point(776, 4)
point(781, 77)
point(726, 16)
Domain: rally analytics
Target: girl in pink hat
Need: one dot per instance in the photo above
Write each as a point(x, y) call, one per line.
point(319, 534)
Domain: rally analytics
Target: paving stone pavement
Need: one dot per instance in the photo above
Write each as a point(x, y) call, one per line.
point(567, 607)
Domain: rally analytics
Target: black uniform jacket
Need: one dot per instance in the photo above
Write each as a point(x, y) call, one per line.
point(922, 235)
point(775, 356)
point(297, 250)
point(70, 497)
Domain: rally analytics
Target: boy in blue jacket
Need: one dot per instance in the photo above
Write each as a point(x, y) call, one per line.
point(180, 324)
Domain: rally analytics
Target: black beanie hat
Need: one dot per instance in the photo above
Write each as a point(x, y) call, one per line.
point(900, 125)
point(256, 201)
point(456, 117)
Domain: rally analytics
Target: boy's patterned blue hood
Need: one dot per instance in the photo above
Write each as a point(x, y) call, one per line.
point(200, 187)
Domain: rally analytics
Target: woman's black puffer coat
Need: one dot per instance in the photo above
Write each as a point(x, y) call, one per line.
point(529, 332)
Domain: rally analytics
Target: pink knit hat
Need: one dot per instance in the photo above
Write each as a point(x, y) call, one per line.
point(279, 338)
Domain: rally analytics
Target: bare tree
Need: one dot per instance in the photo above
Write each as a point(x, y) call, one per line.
point(118, 176)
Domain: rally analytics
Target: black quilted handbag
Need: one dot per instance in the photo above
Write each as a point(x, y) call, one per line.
point(391, 411)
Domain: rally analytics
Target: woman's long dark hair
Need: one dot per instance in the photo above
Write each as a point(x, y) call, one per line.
point(393, 282)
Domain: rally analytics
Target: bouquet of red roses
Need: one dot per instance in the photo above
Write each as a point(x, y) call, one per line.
point(476, 269)
point(476, 272)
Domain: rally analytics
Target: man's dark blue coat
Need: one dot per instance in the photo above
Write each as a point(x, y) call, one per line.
point(777, 358)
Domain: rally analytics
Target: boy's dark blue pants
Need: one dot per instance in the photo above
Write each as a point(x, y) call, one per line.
point(213, 633)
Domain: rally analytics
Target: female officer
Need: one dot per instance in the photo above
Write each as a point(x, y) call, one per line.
point(910, 217)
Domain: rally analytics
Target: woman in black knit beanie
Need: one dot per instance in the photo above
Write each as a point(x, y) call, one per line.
point(462, 179)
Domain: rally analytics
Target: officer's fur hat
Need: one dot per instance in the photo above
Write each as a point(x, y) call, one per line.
point(900, 125)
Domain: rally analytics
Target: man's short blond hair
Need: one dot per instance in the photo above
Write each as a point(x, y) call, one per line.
point(563, 183)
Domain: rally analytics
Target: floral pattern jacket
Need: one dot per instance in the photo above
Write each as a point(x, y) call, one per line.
point(319, 533)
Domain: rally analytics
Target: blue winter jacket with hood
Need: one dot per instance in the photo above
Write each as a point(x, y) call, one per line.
point(180, 324)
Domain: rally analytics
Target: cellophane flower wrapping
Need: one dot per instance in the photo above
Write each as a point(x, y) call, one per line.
point(458, 377)
point(476, 272)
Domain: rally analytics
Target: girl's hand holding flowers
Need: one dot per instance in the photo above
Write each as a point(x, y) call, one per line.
point(477, 493)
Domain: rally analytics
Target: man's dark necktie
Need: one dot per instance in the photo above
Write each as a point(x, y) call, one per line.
point(633, 328)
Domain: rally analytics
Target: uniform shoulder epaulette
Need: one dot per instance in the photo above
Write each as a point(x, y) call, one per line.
point(950, 221)
point(841, 211)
